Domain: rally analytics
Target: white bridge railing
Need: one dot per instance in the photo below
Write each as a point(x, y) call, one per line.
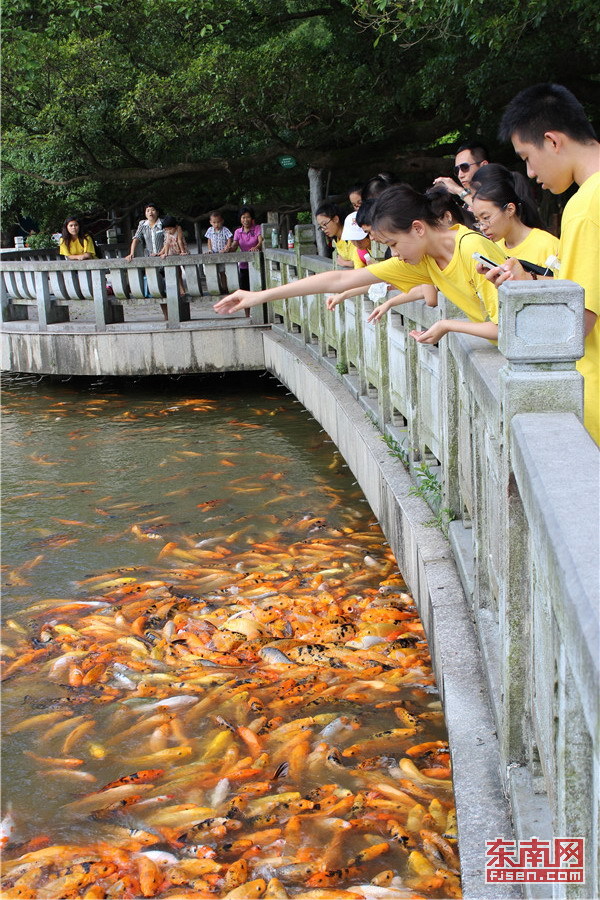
point(494, 438)
point(52, 286)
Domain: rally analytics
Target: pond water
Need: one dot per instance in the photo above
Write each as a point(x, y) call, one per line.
point(214, 682)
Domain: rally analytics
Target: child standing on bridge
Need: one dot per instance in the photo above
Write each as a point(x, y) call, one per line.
point(220, 240)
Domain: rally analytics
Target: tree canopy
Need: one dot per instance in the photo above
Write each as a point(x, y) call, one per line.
point(191, 102)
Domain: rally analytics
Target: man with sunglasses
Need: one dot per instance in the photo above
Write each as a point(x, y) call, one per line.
point(469, 157)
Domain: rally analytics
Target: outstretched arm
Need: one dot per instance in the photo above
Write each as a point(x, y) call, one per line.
point(334, 280)
point(488, 330)
point(427, 292)
point(335, 299)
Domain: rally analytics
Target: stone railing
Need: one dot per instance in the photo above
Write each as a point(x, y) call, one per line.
point(494, 440)
point(53, 285)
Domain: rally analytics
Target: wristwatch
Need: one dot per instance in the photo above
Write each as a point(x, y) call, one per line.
point(464, 193)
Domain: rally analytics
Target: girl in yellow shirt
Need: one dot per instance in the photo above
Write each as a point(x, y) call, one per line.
point(506, 214)
point(424, 251)
point(73, 244)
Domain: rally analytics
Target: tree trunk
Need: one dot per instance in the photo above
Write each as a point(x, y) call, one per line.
point(315, 181)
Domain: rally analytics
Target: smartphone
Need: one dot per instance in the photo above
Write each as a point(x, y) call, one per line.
point(485, 261)
point(539, 270)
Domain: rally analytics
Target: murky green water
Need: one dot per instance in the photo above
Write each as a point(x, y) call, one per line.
point(162, 507)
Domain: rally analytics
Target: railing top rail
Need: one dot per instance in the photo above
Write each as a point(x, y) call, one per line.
point(45, 265)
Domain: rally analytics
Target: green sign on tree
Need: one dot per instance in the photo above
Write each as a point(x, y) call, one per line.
point(287, 162)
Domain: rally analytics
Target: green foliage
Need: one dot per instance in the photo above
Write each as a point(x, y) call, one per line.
point(41, 241)
point(441, 520)
point(429, 488)
point(397, 450)
point(191, 101)
point(342, 368)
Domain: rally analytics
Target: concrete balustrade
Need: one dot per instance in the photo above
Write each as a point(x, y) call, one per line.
point(53, 285)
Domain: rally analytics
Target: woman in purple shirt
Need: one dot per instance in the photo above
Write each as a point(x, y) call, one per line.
point(248, 237)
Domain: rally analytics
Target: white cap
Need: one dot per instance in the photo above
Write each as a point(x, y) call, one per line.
point(352, 231)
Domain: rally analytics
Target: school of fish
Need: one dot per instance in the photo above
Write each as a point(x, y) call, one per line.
point(243, 719)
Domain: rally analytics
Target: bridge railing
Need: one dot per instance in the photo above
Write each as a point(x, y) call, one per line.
point(52, 285)
point(494, 439)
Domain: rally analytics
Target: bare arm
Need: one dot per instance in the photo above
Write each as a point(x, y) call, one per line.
point(209, 242)
point(335, 280)
point(589, 320)
point(134, 244)
point(488, 330)
point(427, 292)
point(228, 246)
point(335, 299)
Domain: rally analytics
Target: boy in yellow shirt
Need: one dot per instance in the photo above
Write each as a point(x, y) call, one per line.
point(551, 133)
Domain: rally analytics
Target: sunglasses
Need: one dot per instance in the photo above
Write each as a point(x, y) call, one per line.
point(464, 167)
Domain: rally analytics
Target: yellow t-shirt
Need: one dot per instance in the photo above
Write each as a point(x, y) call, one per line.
point(579, 254)
point(536, 248)
point(75, 247)
point(459, 281)
point(344, 248)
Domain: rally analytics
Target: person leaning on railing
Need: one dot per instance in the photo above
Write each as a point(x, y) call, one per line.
point(73, 243)
point(425, 251)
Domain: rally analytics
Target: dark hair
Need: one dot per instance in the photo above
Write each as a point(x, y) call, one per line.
point(478, 151)
point(545, 107)
point(216, 212)
point(152, 203)
point(355, 189)
point(400, 205)
point(364, 213)
point(67, 238)
point(377, 185)
point(169, 222)
point(501, 186)
point(249, 210)
point(329, 209)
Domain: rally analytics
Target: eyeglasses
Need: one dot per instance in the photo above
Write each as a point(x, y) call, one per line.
point(323, 225)
point(483, 223)
point(464, 167)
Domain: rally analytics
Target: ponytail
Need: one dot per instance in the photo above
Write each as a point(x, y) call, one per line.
point(500, 186)
point(400, 205)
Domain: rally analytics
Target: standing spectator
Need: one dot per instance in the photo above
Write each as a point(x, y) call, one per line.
point(329, 220)
point(507, 214)
point(377, 185)
point(73, 243)
point(174, 241)
point(551, 133)
point(469, 158)
point(220, 240)
point(174, 245)
point(150, 232)
point(355, 196)
point(247, 237)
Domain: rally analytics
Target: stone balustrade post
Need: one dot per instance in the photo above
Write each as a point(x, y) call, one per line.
point(541, 335)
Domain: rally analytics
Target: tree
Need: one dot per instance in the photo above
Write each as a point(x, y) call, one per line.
point(191, 102)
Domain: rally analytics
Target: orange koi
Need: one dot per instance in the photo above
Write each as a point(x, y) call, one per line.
point(141, 777)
